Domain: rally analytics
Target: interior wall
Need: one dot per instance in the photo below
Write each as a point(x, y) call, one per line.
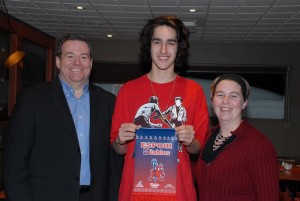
point(285, 135)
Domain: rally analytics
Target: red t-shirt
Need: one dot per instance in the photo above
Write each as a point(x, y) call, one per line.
point(181, 102)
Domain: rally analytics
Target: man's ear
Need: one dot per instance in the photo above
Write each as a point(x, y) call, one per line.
point(57, 61)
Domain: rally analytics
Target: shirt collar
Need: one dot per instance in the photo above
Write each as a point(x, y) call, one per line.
point(69, 90)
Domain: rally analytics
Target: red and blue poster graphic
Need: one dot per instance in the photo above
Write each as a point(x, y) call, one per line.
point(155, 161)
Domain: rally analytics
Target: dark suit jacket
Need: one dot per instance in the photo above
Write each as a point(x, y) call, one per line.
point(42, 153)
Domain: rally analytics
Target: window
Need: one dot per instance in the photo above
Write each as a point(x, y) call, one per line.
point(269, 95)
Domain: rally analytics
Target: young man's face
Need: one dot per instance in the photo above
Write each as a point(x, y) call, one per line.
point(164, 47)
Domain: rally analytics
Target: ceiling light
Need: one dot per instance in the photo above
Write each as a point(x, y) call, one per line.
point(192, 10)
point(79, 7)
point(109, 36)
point(189, 23)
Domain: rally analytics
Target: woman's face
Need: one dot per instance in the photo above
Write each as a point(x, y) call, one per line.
point(228, 101)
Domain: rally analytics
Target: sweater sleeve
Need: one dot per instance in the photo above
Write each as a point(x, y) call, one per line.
point(264, 170)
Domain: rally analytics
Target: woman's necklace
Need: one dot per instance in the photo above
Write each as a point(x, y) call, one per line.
point(219, 141)
point(174, 82)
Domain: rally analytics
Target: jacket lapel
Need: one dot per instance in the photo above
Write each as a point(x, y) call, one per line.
point(62, 106)
point(94, 109)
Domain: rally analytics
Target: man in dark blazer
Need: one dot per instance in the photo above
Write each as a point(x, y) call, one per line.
point(57, 147)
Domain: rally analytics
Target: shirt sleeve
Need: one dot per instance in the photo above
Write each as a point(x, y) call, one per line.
point(201, 116)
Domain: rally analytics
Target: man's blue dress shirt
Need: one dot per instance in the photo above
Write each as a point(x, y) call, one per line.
point(80, 110)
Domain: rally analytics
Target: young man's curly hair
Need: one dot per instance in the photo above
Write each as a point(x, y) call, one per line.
point(182, 37)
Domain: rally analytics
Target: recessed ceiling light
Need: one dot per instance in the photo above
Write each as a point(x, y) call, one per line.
point(192, 10)
point(189, 23)
point(109, 36)
point(79, 7)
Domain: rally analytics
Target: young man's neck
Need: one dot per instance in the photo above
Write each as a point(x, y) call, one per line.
point(162, 76)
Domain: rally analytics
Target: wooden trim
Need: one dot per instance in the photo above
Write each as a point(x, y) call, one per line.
point(49, 64)
point(20, 31)
point(13, 75)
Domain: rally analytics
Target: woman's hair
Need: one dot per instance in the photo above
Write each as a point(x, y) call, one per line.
point(234, 77)
point(182, 37)
point(73, 37)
